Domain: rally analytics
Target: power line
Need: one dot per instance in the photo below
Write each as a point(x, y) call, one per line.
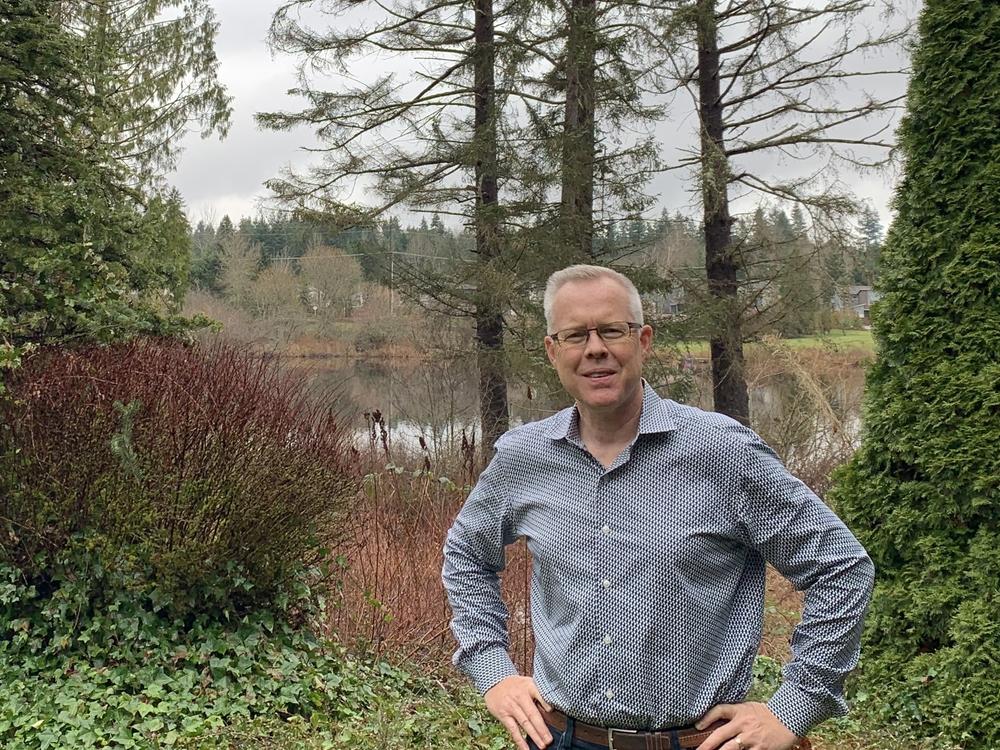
point(359, 255)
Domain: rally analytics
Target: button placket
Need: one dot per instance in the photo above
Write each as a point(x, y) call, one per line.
point(604, 549)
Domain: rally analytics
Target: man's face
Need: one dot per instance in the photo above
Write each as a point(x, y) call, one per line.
point(603, 376)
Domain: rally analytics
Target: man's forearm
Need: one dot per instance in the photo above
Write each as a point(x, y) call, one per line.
point(473, 560)
point(825, 647)
point(479, 616)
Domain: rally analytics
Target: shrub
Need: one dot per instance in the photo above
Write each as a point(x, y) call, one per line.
point(390, 601)
point(923, 492)
point(374, 336)
point(201, 457)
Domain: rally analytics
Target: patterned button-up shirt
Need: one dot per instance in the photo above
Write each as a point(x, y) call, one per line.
point(648, 576)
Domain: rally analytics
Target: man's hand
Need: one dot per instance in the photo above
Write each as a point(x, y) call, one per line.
point(749, 726)
point(512, 702)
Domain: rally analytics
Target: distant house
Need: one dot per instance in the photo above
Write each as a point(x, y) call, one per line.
point(670, 304)
point(857, 298)
point(317, 300)
point(758, 295)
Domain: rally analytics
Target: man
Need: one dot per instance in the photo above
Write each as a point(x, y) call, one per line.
point(649, 525)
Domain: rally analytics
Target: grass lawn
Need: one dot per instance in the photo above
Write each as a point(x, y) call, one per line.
point(837, 341)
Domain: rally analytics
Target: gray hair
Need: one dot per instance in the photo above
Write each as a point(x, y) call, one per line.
point(585, 273)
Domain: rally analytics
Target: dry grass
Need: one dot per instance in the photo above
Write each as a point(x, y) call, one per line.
point(390, 601)
point(808, 406)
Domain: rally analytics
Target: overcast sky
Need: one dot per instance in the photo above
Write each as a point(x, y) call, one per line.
point(226, 177)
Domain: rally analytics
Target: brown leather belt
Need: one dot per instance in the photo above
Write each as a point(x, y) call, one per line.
point(629, 739)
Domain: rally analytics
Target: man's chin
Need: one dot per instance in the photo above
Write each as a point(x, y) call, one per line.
point(605, 399)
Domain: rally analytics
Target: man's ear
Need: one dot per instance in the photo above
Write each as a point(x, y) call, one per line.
point(550, 349)
point(646, 339)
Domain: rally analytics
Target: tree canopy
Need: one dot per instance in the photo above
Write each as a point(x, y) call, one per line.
point(92, 250)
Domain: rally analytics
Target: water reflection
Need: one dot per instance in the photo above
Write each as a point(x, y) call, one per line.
point(804, 410)
point(436, 401)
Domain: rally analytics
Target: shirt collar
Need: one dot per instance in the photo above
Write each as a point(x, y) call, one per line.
point(655, 417)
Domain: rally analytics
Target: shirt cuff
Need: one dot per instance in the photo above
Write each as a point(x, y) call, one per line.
point(797, 710)
point(488, 667)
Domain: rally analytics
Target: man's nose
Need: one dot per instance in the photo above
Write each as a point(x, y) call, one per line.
point(595, 346)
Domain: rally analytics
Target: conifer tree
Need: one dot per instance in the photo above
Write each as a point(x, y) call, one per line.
point(428, 143)
point(151, 69)
point(74, 247)
point(584, 82)
point(923, 491)
point(870, 228)
point(769, 78)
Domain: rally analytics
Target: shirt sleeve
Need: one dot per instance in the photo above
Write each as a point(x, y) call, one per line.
point(473, 559)
point(805, 541)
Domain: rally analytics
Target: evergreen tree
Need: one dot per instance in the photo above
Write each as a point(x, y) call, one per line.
point(72, 237)
point(767, 83)
point(150, 66)
point(798, 221)
point(789, 271)
point(584, 83)
point(205, 261)
point(160, 254)
point(866, 266)
point(449, 124)
point(225, 228)
point(578, 136)
point(923, 491)
point(95, 95)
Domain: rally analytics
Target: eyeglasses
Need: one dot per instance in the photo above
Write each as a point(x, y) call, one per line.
point(618, 330)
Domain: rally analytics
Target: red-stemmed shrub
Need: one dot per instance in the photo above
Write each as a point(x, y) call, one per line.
point(206, 458)
point(389, 601)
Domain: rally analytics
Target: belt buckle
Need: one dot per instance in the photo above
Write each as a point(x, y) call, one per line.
point(611, 735)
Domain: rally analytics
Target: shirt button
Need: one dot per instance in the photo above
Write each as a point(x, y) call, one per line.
point(607, 639)
point(609, 694)
point(606, 529)
point(606, 583)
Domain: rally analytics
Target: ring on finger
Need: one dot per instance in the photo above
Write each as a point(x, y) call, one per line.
point(739, 741)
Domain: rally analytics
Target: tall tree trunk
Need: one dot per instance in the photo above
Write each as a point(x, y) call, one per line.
point(578, 148)
point(729, 386)
point(493, 408)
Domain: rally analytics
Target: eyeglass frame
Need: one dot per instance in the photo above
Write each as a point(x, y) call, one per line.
point(632, 326)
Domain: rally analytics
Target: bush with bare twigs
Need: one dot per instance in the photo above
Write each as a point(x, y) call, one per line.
point(204, 457)
point(389, 599)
